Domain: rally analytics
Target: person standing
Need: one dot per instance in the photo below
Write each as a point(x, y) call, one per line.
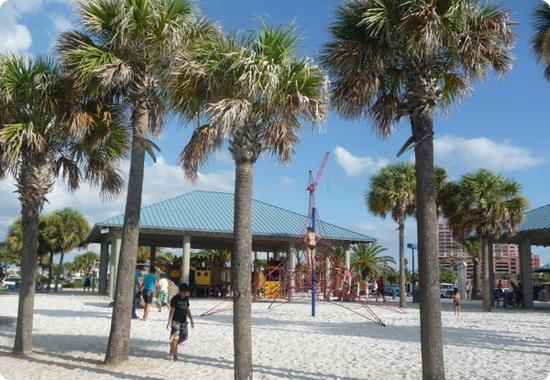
point(150, 285)
point(163, 292)
point(380, 284)
point(456, 301)
point(177, 320)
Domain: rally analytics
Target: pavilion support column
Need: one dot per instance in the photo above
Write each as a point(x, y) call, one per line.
point(347, 257)
point(492, 271)
point(153, 256)
point(186, 260)
point(291, 260)
point(526, 273)
point(113, 261)
point(103, 267)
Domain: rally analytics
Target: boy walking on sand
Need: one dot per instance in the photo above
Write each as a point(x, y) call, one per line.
point(177, 320)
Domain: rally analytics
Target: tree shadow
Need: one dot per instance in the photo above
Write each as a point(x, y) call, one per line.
point(455, 336)
point(45, 347)
point(73, 363)
point(7, 321)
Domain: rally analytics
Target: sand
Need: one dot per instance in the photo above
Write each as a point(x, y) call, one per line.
point(71, 333)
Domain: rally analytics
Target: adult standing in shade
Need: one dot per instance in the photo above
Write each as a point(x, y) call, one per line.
point(150, 285)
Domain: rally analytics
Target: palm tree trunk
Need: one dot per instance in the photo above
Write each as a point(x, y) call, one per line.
point(30, 217)
point(50, 271)
point(34, 183)
point(428, 263)
point(118, 349)
point(60, 272)
point(486, 276)
point(476, 290)
point(241, 269)
point(402, 294)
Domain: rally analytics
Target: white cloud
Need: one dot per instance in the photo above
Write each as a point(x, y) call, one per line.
point(14, 35)
point(286, 182)
point(354, 165)
point(60, 22)
point(224, 157)
point(161, 181)
point(482, 152)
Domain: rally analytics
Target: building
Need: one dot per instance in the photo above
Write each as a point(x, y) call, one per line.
point(535, 262)
point(505, 256)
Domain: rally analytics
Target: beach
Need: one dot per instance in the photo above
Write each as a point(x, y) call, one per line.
point(71, 331)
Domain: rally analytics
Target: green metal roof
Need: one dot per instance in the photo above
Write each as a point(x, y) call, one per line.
point(208, 211)
point(536, 220)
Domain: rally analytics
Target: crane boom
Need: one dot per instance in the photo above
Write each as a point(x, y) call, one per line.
point(313, 184)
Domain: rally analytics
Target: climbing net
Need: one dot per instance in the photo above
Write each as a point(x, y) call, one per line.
point(297, 284)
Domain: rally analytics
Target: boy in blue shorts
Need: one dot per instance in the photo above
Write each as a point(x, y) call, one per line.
point(177, 320)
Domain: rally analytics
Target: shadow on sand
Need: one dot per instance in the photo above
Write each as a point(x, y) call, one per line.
point(46, 346)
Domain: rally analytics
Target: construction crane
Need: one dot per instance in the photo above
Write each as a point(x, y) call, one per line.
point(312, 187)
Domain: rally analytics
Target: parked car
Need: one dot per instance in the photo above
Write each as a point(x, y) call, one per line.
point(11, 283)
point(446, 290)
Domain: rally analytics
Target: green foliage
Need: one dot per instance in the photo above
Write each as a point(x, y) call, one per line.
point(85, 262)
point(383, 52)
point(254, 92)
point(64, 230)
point(393, 190)
point(484, 202)
point(447, 276)
point(367, 260)
point(52, 128)
point(541, 37)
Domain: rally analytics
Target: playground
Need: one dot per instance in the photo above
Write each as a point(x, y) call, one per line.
point(71, 332)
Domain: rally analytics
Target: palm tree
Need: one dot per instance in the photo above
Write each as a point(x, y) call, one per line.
point(122, 53)
point(390, 59)
point(489, 205)
point(541, 38)
point(367, 261)
point(65, 230)
point(253, 93)
point(472, 248)
point(393, 190)
point(45, 136)
point(86, 261)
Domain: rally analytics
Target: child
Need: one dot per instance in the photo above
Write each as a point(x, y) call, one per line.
point(177, 320)
point(456, 301)
point(311, 241)
point(149, 286)
point(163, 292)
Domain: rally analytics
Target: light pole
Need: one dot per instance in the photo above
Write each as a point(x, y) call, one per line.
point(412, 247)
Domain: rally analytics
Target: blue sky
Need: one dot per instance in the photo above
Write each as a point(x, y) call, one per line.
point(502, 125)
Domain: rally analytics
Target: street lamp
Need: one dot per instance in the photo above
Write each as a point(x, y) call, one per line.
point(412, 247)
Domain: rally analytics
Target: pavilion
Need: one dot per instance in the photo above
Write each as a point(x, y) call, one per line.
point(534, 230)
point(204, 220)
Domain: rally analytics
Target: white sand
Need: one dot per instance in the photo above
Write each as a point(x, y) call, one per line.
point(71, 335)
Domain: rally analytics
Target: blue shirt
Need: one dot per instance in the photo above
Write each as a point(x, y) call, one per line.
point(149, 281)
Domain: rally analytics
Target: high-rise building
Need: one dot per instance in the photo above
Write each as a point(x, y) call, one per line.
point(535, 261)
point(505, 256)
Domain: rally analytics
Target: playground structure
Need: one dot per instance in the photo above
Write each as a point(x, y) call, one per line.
point(329, 276)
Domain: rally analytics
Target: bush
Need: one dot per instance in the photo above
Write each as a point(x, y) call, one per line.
point(68, 285)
